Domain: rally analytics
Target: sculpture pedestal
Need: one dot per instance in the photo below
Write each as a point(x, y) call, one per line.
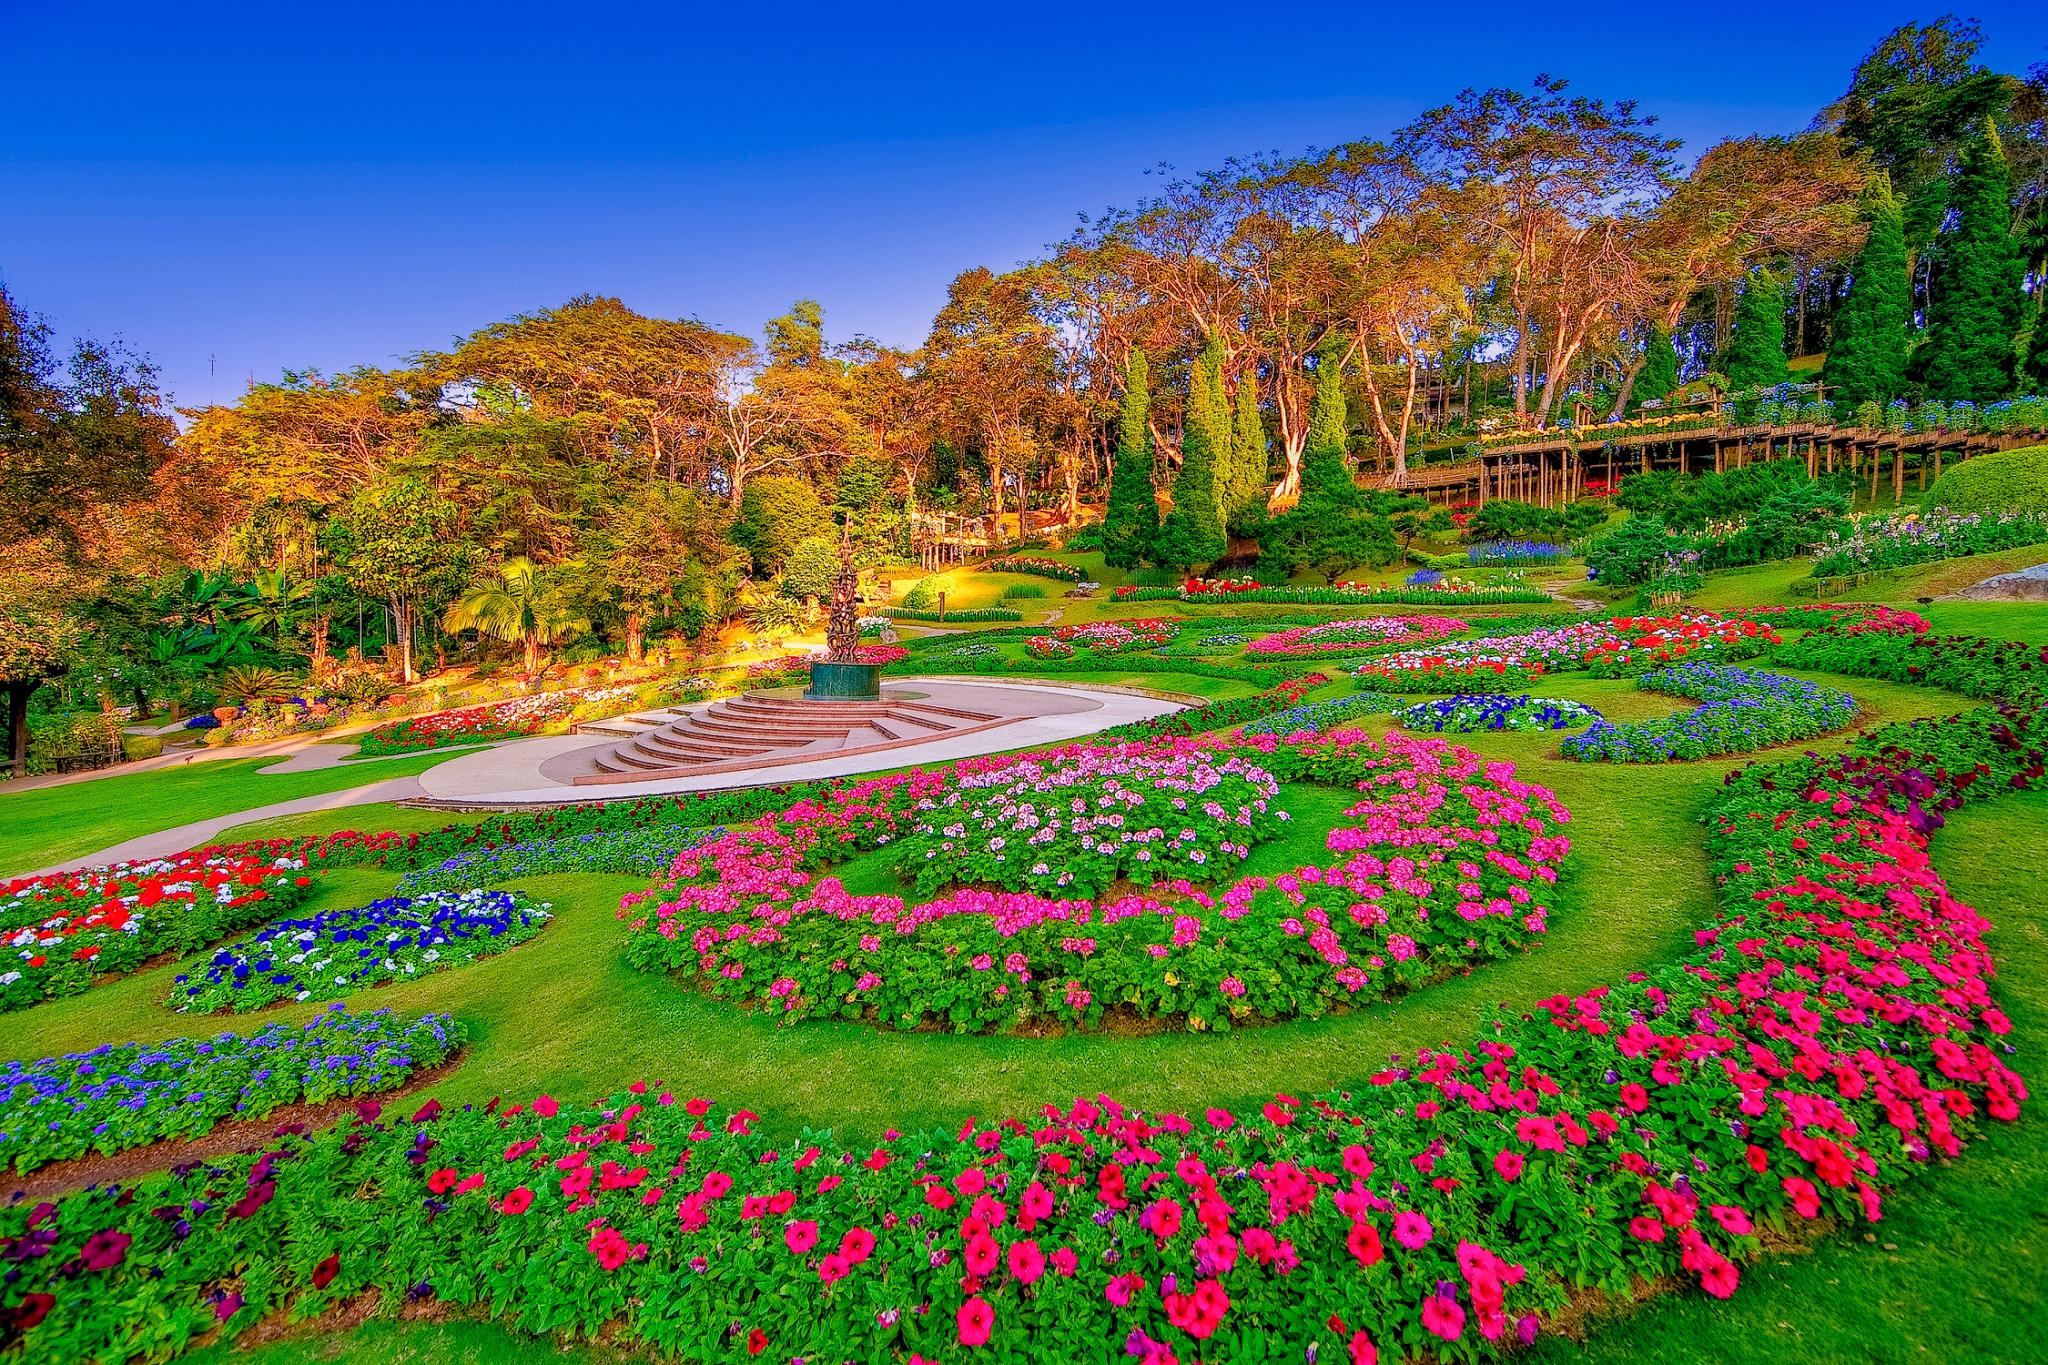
point(832, 681)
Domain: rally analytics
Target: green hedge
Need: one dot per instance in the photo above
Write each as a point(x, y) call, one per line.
point(977, 614)
point(2004, 481)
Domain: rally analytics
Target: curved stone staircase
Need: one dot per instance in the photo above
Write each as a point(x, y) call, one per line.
point(759, 730)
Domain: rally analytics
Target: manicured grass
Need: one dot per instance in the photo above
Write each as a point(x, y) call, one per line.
point(49, 824)
point(376, 816)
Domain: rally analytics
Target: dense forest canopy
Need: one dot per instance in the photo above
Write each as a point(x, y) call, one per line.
point(1513, 258)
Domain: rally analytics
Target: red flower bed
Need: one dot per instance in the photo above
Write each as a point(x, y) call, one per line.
point(66, 929)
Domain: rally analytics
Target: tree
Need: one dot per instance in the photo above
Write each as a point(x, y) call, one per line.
point(1130, 524)
point(521, 603)
point(1756, 350)
point(1244, 487)
point(79, 442)
point(776, 514)
point(1974, 302)
point(1193, 531)
point(1331, 528)
point(660, 548)
point(811, 568)
point(1867, 353)
point(39, 630)
point(397, 540)
point(1659, 373)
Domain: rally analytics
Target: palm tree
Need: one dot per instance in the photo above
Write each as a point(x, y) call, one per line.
point(523, 603)
point(271, 601)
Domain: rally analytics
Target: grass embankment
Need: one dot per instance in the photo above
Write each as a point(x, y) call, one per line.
point(48, 824)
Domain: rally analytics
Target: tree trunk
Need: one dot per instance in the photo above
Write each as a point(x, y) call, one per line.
point(18, 690)
point(634, 644)
point(1628, 388)
point(401, 621)
point(532, 649)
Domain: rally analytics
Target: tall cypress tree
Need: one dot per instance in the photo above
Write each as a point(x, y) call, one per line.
point(1868, 349)
point(1244, 493)
point(1325, 474)
point(1192, 534)
point(1131, 523)
point(1973, 308)
point(1756, 351)
point(1659, 375)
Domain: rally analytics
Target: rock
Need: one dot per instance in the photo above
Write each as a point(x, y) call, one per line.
point(2026, 585)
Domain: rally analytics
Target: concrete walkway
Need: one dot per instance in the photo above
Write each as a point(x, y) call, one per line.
point(512, 774)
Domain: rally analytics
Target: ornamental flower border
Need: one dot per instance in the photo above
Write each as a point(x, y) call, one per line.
point(1618, 646)
point(115, 1098)
point(1362, 635)
point(402, 937)
point(1471, 713)
point(1440, 864)
point(1831, 1033)
point(1741, 710)
point(66, 931)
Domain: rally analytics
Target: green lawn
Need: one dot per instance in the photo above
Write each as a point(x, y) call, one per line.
point(49, 824)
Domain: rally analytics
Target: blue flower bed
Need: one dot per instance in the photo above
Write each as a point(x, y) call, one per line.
point(1468, 713)
point(340, 951)
point(1741, 710)
point(1318, 717)
point(120, 1096)
point(644, 853)
point(1495, 552)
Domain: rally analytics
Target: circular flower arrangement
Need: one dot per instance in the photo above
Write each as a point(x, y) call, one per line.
point(1443, 861)
point(1357, 637)
point(1103, 637)
point(1469, 713)
point(1622, 646)
point(1079, 823)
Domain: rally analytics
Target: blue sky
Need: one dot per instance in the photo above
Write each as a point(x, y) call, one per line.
point(239, 189)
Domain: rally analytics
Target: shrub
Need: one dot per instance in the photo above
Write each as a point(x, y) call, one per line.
point(1633, 553)
point(2003, 481)
point(923, 595)
point(134, 747)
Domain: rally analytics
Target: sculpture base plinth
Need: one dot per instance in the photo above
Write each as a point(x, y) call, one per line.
point(831, 681)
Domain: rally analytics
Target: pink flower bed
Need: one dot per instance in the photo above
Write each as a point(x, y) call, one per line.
point(1444, 861)
point(1357, 637)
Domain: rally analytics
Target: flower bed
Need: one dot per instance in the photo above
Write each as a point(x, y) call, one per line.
point(1356, 637)
point(117, 1097)
point(340, 951)
point(1741, 710)
point(1206, 592)
point(1967, 664)
point(1441, 863)
point(1900, 539)
point(515, 718)
point(1464, 714)
point(64, 930)
point(639, 852)
point(1321, 717)
point(1103, 637)
point(1617, 647)
point(1831, 1034)
point(1038, 568)
point(1077, 822)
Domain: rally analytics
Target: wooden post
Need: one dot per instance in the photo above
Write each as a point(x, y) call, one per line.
point(1898, 474)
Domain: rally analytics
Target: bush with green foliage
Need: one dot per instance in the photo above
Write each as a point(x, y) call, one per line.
point(2003, 481)
point(924, 593)
point(1633, 553)
point(777, 514)
point(812, 565)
